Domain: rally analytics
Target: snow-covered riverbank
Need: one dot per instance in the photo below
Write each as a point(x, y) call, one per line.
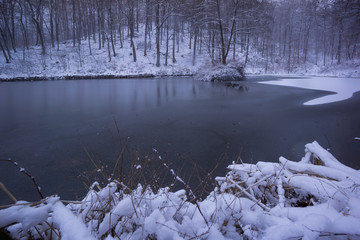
point(76, 62)
point(315, 197)
point(70, 63)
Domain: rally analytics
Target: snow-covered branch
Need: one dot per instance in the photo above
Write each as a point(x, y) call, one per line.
point(255, 201)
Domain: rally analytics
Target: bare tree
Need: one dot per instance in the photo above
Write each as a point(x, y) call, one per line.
point(36, 15)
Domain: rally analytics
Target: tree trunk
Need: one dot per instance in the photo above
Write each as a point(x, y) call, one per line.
point(7, 27)
point(167, 45)
point(306, 44)
point(23, 29)
point(157, 23)
point(4, 53)
point(108, 48)
point(146, 26)
point(51, 18)
point(111, 31)
point(5, 44)
point(99, 25)
point(38, 27)
point(79, 22)
point(173, 44)
point(213, 48)
point(234, 44)
point(88, 24)
point(57, 25)
point(339, 44)
point(290, 50)
point(247, 49)
point(225, 47)
point(195, 43)
point(73, 23)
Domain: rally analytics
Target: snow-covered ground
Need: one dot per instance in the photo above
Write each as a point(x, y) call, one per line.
point(313, 67)
point(345, 69)
point(69, 61)
point(342, 88)
point(75, 61)
point(315, 197)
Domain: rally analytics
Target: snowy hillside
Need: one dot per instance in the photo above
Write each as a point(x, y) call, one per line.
point(73, 62)
point(137, 37)
point(68, 62)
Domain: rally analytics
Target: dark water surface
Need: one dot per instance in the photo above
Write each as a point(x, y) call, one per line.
point(43, 126)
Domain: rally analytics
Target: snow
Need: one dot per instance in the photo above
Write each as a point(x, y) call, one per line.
point(76, 61)
point(266, 200)
point(258, 64)
point(220, 73)
point(69, 61)
point(24, 214)
point(70, 226)
point(342, 88)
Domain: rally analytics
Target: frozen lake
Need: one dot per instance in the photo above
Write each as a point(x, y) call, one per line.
point(44, 125)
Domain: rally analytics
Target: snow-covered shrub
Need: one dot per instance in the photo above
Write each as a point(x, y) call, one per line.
point(315, 197)
point(223, 73)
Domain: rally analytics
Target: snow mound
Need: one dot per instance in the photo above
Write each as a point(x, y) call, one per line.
point(230, 72)
point(315, 197)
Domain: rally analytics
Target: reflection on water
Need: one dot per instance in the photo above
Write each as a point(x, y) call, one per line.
point(44, 126)
point(238, 86)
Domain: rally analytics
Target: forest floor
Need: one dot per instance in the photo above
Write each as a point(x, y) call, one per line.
point(73, 62)
point(68, 61)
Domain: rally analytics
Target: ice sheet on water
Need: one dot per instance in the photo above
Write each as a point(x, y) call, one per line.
point(342, 88)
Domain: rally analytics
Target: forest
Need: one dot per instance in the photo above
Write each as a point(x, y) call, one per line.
point(293, 32)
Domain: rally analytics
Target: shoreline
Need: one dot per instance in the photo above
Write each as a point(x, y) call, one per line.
point(147, 75)
point(89, 77)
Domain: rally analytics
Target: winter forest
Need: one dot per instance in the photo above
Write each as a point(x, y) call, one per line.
point(292, 33)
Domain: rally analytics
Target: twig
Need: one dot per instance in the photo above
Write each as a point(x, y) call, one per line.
point(189, 190)
point(52, 229)
point(91, 159)
point(38, 232)
point(260, 181)
point(26, 173)
point(2, 186)
point(328, 234)
point(172, 229)
point(250, 196)
point(120, 157)
point(18, 204)
point(31, 204)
